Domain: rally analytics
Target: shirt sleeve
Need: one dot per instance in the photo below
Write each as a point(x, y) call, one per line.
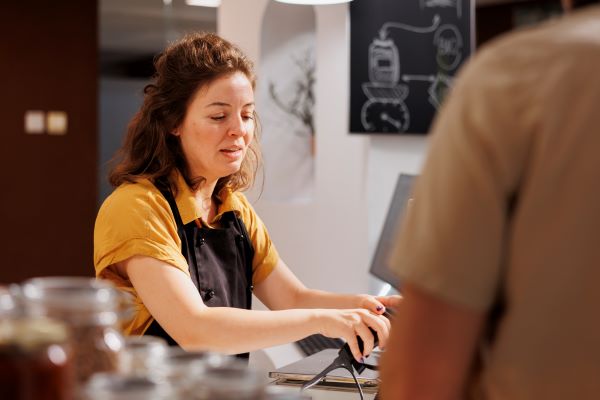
point(136, 221)
point(265, 254)
point(453, 236)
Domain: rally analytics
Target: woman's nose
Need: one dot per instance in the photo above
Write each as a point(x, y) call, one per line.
point(238, 127)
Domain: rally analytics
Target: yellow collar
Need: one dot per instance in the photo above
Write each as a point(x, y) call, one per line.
point(190, 211)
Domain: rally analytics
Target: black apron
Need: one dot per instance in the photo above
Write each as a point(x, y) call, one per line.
point(219, 261)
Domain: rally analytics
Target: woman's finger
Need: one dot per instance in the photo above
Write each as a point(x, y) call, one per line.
point(387, 322)
point(367, 337)
point(390, 301)
point(373, 304)
point(352, 342)
point(381, 326)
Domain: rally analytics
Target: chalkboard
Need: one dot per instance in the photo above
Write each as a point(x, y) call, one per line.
point(404, 55)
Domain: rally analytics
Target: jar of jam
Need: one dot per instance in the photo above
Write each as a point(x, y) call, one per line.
point(35, 360)
point(90, 309)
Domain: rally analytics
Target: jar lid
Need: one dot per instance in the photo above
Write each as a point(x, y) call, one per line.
point(146, 344)
point(71, 292)
point(71, 298)
point(9, 306)
point(184, 366)
point(176, 356)
point(115, 386)
point(280, 393)
point(229, 375)
point(29, 333)
point(143, 354)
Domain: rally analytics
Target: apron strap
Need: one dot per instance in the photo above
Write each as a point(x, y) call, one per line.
point(165, 190)
point(248, 251)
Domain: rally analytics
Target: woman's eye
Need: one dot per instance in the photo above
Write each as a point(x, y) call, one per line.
point(218, 117)
point(248, 117)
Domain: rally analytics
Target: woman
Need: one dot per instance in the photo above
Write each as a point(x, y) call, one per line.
point(179, 235)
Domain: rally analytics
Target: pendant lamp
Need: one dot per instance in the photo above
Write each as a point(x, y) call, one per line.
point(314, 2)
point(204, 3)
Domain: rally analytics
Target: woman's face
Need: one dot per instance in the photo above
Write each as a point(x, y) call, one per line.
point(218, 127)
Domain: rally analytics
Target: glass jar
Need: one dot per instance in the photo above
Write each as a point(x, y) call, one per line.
point(9, 302)
point(183, 369)
point(35, 360)
point(89, 308)
point(229, 379)
point(143, 355)
point(279, 393)
point(116, 386)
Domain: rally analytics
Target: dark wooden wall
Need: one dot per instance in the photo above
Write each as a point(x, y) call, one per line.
point(48, 61)
point(500, 17)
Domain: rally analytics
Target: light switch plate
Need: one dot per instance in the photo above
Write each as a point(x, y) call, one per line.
point(35, 122)
point(56, 123)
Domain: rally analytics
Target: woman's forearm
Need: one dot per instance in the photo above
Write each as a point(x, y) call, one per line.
point(311, 298)
point(232, 330)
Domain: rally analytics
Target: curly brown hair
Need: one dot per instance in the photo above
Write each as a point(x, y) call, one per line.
point(150, 150)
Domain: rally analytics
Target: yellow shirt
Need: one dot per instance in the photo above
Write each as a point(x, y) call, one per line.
point(136, 220)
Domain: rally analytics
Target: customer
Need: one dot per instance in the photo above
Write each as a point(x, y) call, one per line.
point(499, 255)
point(179, 235)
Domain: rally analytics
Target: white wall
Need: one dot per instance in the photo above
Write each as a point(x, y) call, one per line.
point(329, 242)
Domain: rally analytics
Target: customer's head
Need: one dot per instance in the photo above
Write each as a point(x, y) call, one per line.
point(187, 67)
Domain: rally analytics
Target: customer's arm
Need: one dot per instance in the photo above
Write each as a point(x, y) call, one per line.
point(431, 349)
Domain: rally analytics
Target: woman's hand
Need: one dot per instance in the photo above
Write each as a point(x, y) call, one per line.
point(378, 304)
point(348, 324)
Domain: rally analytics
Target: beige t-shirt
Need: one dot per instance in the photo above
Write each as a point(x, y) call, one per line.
point(136, 220)
point(508, 204)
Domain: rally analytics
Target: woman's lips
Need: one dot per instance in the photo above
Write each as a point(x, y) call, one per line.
point(232, 153)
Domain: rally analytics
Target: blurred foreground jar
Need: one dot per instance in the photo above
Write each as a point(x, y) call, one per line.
point(89, 308)
point(229, 379)
point(35, 360)
point(280, 393)
point(9, 306)
point(143, 355)
point(119, 386)
point(185, 370)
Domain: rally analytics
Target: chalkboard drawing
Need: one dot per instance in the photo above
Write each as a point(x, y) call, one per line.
point(443, 3)
point(439, 88)
point(449, 43)
point(384, 62)
point(440, 84)
point(385, 109)
point(383, 31)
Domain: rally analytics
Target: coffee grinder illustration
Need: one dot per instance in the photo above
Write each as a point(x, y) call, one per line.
point(385, 109)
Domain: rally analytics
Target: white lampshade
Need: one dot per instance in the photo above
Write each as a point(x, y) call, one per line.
point(314, 2)
point(204, 3)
